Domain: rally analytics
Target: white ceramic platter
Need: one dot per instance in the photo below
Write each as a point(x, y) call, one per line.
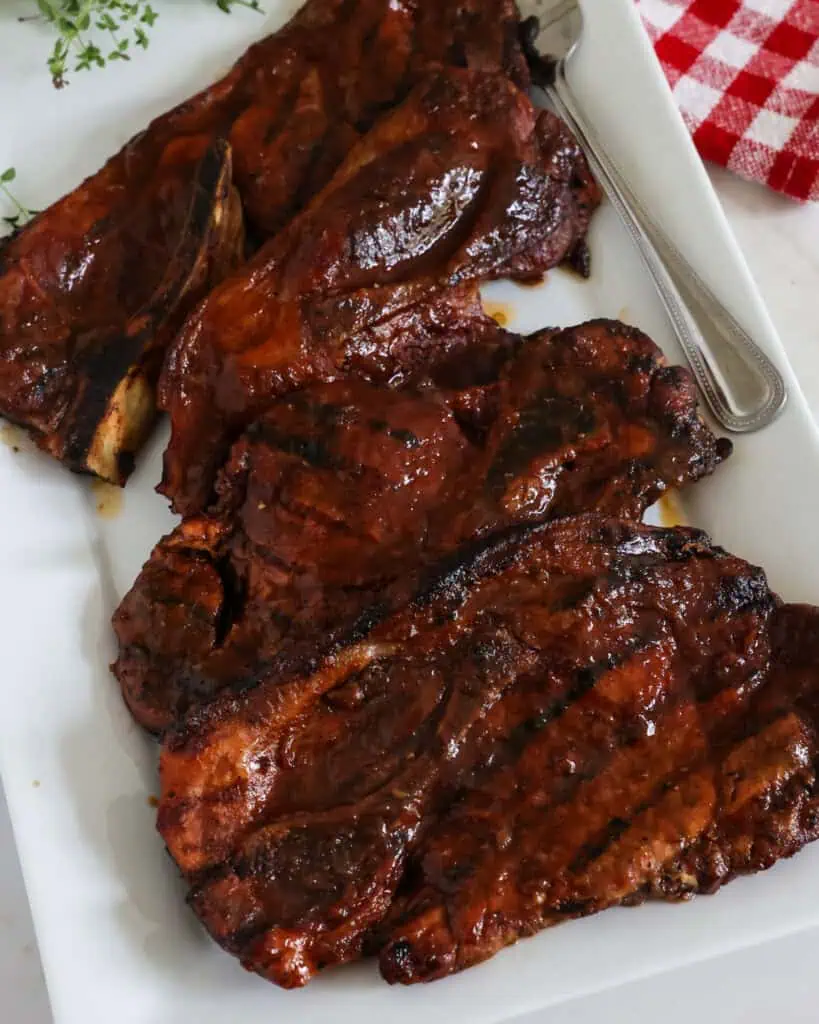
point(117, 942)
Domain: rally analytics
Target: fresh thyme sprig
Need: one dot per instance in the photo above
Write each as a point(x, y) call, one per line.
point(94, 32)
point(16, 220)
point(91, 33)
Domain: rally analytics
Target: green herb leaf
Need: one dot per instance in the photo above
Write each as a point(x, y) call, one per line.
point(81, 26)
point(15, 220)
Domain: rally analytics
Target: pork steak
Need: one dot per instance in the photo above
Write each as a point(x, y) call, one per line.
point(339, 495)
point(378, 278)
point(95, 288)
point(576, 715)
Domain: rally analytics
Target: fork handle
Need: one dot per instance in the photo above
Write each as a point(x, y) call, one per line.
point(741, 385)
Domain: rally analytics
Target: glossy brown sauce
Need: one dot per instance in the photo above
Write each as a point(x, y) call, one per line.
point(328, 540)
point(576, 715)
point(360, 285)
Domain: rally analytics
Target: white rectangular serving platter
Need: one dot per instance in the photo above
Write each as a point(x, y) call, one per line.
point(117, 941)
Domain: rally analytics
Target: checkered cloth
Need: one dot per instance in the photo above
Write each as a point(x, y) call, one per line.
point(745, 74)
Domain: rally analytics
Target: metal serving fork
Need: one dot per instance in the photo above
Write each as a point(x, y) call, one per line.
point(743, 388)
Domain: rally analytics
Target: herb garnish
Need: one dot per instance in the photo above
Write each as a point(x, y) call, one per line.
point(16, 220)
point(92, 33)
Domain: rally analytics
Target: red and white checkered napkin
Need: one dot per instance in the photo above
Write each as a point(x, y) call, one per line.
point(745, 74)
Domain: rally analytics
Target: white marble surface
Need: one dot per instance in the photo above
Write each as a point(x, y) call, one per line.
point(775, 981)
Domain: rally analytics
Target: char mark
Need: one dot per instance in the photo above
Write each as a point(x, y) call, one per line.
point(547, 425)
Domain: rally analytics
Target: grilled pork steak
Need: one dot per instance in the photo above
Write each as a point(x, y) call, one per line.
point(94, 289)
point(90, 298)
point(377, 279)
point(337, 497)
point(685, 757)
point(576, 715)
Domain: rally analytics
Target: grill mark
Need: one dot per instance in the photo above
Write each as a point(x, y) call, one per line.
point(585, 680)
point(618, 826)
point(307, 514)
point(406, 437)
point(566, 907)
point(575, 594)
point(565, 787)
point(601, 758)
point(265, 555)
point(312, 450)
point(473, 561)
point(324, 414)
point(615, 824)
point(546, 426)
